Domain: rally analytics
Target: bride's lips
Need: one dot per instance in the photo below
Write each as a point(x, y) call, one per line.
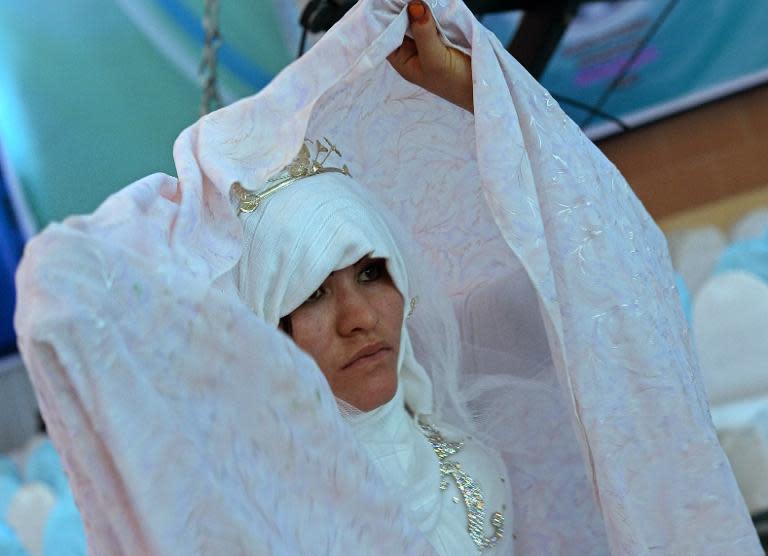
point(368, 353)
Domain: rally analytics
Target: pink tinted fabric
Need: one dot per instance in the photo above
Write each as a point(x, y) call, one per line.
point(188, 426)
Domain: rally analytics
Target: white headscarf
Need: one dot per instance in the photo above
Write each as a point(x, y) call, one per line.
point(301, 234)
point(292, 242)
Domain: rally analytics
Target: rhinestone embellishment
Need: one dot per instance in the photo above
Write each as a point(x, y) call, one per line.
point(468, 487)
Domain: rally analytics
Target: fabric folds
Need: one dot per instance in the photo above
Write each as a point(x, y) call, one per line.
point(161, 388)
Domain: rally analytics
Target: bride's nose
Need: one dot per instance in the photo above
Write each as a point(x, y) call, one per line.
point(355, 311)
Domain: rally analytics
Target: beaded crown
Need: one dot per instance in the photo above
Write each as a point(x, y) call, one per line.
point(303, 166)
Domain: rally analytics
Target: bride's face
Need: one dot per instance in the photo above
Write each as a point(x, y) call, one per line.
point(351, 327)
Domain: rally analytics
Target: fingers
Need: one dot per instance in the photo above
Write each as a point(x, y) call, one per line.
point(429, 63)
point(401, 55)
point(418, 12)
point(405, 60)
point(432, 51)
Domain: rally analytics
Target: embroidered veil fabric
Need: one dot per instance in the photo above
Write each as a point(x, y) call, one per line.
point(184, 420)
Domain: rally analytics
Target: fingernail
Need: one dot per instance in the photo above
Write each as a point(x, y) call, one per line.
point(417, 12)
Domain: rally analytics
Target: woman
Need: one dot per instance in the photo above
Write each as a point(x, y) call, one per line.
point(189, 424)
point(320, 260)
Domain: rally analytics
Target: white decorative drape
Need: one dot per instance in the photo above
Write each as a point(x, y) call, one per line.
point(189, 426)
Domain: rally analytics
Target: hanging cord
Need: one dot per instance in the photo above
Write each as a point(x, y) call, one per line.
point(562, 99)
point(211, 100)
point(630, 62)
point(303, 42)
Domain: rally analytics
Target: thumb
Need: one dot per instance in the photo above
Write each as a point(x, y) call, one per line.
point(431, 49)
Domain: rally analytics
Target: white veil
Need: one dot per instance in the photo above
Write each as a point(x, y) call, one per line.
point(557, 274)
point(572, 356)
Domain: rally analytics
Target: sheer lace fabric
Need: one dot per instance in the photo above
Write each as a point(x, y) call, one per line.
point(547, 313)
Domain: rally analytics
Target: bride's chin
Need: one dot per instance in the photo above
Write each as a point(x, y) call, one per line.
point(379, 390)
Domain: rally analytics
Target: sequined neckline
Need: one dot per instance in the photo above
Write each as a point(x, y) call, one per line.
point(468, 487)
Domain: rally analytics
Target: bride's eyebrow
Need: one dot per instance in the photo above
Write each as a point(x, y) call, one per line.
point(367, 259)
point(362, 260)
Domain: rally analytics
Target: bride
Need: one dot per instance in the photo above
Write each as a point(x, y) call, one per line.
point(447, 328)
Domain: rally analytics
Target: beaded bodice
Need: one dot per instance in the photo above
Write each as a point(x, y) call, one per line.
point(468, 487)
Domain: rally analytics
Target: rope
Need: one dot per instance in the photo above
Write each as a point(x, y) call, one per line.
point(211, 100)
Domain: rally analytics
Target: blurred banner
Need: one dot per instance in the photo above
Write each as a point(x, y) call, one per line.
point(639, 60)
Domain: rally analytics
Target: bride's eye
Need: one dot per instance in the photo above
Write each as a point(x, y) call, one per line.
point(316, 295)
point(373, 271)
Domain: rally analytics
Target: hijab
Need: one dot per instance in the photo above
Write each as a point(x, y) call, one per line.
point(301, 234)
point(292, 242)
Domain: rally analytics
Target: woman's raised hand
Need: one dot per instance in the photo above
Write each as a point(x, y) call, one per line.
point(427, 62)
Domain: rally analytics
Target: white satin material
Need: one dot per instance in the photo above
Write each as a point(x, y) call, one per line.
point(406, 461)
point(403, 458)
